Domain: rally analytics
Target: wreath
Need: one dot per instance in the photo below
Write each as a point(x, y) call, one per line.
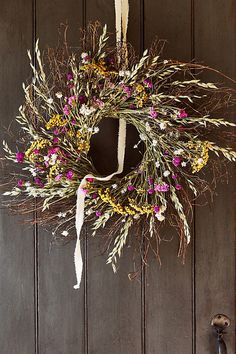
point(172, 109)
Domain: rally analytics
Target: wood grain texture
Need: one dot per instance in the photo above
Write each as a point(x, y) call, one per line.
point(17, 326)
point(61, 308)
point(168, 290)
point(114, 303)
point(215, 38)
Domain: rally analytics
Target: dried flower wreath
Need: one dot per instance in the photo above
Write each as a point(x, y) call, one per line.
point(171, 108)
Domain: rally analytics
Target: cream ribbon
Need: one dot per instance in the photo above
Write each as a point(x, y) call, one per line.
point(122, 12)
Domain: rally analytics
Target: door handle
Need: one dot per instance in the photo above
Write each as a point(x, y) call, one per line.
point(219, 323)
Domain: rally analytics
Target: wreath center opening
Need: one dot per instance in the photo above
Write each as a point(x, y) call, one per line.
point(103, 147)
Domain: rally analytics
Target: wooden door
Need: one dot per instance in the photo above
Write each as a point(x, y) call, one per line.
point(169, 309)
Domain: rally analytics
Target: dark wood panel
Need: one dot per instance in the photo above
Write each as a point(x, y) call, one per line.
point(215, 33)
point(168, 289)
point(17, 327)
point(61, 308)
point(114, 303)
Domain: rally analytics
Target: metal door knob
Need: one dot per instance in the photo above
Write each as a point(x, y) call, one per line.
point(220, 322)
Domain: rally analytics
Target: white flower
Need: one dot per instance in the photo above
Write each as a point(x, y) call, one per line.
point(142, 137)
point(50, 100)
point(157, 164)
point(178, 152)
point(33, 172)
point(96, 130)
point(27, 184)
point(124, 73)
point(53, 159)
point(61, 215)
point(163, 125)
point(90, 130)
point(166, 173)
point(114, 186)
point(88, 212)
point(160, 217)
point(136, 216)
point(59, 94)
point(154, 142)
point(65, 233)
point(86, 111)
point(135, 146)
point(123, 191)
point(84, 55)
point(165, 62)
point(183, 164)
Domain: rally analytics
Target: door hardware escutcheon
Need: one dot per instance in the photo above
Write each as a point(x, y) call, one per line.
point(220, 322)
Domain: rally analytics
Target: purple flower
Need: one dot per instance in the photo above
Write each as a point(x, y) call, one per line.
point(58, 177)
point(127, 90)
point(53, 151)
point(55, 140)
point(150, 181)
point(153, 113)
point(20, 183)
point(130, 188)
point(82, 99)
point(176, 161)
point(94, 196)
point(69, 76)
point(174, 176)
point(148, 83)
point(69, 174)
point(98, 213)
point(182, 114)
point(151, 191)
point(66, 110)
point(20, 156)
point(162, 187)
point(38, 181)
point(156, 208)
point(178, 187)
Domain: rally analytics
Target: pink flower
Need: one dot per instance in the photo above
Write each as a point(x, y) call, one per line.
point(94, 195)
point(153, 113)
point(148, 83)
point(178, 187)
point(156, 208)
point(20, 156)
point(55, 140)
point(127, 90)
point(39, 182)
point(53, 151)
point(20, 183)
point(174, 176)
point(90, 179)
point(56, 131)
point(130, 188)
point(99, 103)
point(72, 100)
point(66, 110)
point(182, 114)
point(84, 190)
point(58, 177)
point(36, 151)
point(69, 174)
point(176, 161)
point(151, 191)
point(162, 187)
point(69, 76)
point(98, 213)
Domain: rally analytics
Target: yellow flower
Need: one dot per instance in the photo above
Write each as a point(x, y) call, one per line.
point(36, 145)
point(56, 121)
point(202, 155)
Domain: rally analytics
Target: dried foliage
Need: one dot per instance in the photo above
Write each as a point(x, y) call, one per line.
point(174, 112)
